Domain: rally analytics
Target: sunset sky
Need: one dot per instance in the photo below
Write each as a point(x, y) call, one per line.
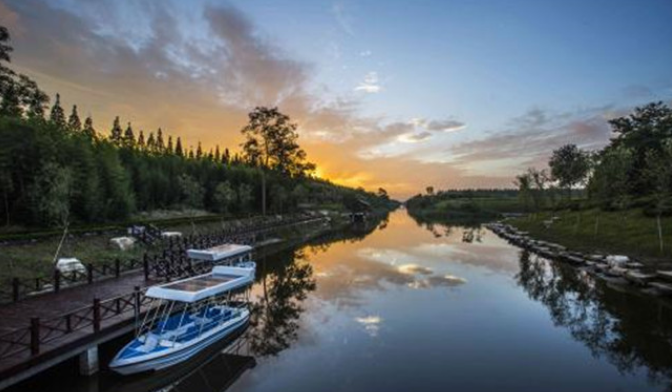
point(390, 94)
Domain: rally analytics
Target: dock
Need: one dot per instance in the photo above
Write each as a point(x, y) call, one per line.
point(47, 328)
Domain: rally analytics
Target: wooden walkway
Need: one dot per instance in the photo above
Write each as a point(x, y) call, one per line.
point(40, 331)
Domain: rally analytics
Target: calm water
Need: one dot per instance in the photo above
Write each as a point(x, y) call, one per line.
point(404, 306)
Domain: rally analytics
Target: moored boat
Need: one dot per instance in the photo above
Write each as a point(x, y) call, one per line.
point(190, 315)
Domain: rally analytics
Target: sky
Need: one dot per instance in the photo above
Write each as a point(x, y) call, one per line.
point(394, 94)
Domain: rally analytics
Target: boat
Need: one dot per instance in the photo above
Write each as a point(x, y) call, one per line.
point(189, 315)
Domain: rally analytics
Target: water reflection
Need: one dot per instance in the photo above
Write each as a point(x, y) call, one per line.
point(631, 331)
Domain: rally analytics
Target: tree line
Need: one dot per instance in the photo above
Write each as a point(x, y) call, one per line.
point(633, 170)
point(56, 168)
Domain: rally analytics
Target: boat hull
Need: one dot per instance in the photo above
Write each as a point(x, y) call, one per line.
point(178, 354)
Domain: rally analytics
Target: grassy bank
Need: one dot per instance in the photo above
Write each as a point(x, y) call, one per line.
point(464, 208)
point(627, 232)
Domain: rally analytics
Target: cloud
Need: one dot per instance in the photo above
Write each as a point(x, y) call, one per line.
point(414, 137)
point(447, 125)
point(370, 84)
point(531, 138)
point(365, 53)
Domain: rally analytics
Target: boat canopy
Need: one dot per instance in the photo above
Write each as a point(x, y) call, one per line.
point(197, 288)
point(219, 252)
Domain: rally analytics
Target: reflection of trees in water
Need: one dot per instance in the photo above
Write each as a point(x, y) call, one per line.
point(275, 315)
point(472, 230)
point(286, 279)
point(629, 330)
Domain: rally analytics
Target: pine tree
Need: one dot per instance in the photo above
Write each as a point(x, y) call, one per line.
point(178, 148)
point(191, 153)
point(116, 132)
point(159, 141)
point(169, 148)
point(33, 98)
point(226, 157)
point(11, 101)
point(57, 116)
point(217, 157)
point(88, 128)
point(199, 151)
point(151, 143)
point(129, 137)
point(74, 123)
point(141, 140)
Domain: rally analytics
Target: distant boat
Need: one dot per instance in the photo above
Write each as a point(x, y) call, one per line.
point(192, 314)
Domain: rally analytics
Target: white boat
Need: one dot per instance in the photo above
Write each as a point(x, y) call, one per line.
point(191, 314)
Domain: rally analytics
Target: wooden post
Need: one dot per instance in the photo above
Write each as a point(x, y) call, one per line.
point(15, 289)
point(57, 280)
point(89, 273)
point(145, 265)
point(96, 315)
point(34, 336)
point(117, 267)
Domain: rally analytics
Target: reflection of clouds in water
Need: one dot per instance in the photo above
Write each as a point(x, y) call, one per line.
point(437, 281)
point(495, 258)
point(371, 324)
point(412, 269)
point(387, 256)
point(417, 276)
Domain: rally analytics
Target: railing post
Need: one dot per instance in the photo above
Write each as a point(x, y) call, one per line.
point(57, 280)
point(34, 335)
point(68, 322)
point(145, 265)
point(15, 289)
point(96, 315)
point(89, 273)
point(117, 267)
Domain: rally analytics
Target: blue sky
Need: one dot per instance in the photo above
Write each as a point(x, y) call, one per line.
point(467, 93)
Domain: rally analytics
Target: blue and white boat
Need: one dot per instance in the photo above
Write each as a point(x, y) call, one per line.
point(190, 315)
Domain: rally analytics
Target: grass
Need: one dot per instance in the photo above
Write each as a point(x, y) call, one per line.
point(627, 232)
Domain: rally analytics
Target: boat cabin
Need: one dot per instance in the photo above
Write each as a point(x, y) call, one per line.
point(235, 253)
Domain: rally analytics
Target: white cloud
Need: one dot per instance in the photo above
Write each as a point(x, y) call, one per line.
point(370, 84)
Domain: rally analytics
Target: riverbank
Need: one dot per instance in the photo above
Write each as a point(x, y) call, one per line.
point(617, 270)
point(628, 232)
point(30, 259)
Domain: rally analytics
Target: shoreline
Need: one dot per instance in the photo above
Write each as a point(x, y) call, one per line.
point(616, 269)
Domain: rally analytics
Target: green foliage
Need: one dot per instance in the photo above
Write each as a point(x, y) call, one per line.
point(569, 165)
point(51, 173)
point(224, 197)
point(57, 116)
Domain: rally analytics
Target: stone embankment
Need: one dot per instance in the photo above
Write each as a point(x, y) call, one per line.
point(612, 268)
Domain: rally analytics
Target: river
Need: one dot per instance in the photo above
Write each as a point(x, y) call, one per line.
point(408, 306)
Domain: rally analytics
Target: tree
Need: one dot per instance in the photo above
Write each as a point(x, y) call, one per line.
point(57, 116)
point(178, 148)
point(224, 196)
point(430, 190)
point(659, 173)
point(271, 143)
point(244, 196)
point(569, 166)
point(5, 49)
point(116, 134)
point(523, 182)
point(34, 99)
point(158, 145)
point(151, 143)
point(11, 101)
point(199, 151)
point(192, 192)
point(88, 129)
point(226, 157)
point(74, 123)
point(169, 147)
point(129, 137)
point(382, 193)
point(643, 131)
point(217, 156)
point(141, 140)
point(51, 194)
